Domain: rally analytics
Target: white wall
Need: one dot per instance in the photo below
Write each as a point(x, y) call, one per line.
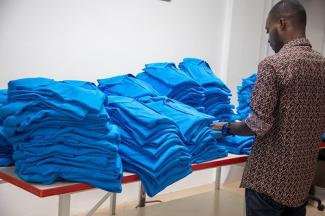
point(246, 41)
point(316, 23)
point(90, 39)
point(83, 39)
point(245, 33)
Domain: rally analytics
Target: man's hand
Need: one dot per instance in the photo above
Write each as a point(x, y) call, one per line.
point(217, 126)
point(234, 128)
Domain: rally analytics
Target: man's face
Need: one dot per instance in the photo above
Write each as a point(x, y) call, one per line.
point(275, 40)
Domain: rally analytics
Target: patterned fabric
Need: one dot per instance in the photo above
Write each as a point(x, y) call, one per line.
point(288, 117)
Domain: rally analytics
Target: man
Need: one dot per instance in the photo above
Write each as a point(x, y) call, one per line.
point(288, 118)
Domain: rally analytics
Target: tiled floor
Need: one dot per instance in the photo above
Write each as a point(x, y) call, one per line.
point(194, 202)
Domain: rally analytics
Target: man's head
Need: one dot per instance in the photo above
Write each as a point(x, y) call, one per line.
point(286, 21)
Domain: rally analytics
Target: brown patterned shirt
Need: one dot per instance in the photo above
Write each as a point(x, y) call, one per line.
point(288, 117)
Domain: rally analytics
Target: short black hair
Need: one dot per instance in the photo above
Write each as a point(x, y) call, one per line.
point(292, 9)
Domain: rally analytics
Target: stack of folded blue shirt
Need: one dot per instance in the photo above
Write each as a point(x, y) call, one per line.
point(3, 96)
point(241, 144)
point(61, 130)
point(244, 96)
point(237, 144)
point(173, 83)
point(151, 144)
point(5, 147)
point(193, 125)
point(217, 100)
point(126, 85)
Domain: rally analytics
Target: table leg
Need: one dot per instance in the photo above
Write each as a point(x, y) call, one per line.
point(113, 204)
point(142, 197)
point(218, 178)
point(64, 204)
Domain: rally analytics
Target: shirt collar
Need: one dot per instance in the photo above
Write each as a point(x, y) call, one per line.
point(297, 42)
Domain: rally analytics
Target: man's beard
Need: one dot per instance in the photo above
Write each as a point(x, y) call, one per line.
point(277, 42)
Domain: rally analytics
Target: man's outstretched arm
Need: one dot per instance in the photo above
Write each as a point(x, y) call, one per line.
point(263, 102)
point(234, 128)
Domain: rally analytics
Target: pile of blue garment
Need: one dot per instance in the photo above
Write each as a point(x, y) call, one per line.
point(5, 147)
point(62, 131)
point(151, 144)
point(244, 96)
point(237, 144)
point(193, 125)
point(217, 100)
point(3, 96)
point(126, 85)
point(169, 81)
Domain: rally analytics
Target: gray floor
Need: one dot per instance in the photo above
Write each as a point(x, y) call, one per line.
point(203, 201)
point(207, 204)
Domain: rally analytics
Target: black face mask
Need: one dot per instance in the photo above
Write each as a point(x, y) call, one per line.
point(275, 42)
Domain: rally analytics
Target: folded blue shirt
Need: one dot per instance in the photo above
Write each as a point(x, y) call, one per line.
point(237, 144)
point(3, 96)
point(193, 125)
point(244, 95)
point(216, 92)
point(61, 130)
point(174, 83)
point(196, 133)
point(200, 71)
point(49, 173)
point(151, 144)
point(5, 147)
point(118, 85)
point(70, 98)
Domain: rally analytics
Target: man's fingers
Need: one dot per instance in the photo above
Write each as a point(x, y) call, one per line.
point(217, 125)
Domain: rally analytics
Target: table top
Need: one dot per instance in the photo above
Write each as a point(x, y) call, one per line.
point(8, 175)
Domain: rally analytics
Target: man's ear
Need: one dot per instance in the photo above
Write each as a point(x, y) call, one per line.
point(282, 24)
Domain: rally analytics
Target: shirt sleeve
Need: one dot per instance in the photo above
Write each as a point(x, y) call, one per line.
point(263, 100)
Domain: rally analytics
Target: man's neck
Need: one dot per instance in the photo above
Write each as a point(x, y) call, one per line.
point(294, 36)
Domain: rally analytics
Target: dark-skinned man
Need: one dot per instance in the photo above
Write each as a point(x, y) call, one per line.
point(287, 118)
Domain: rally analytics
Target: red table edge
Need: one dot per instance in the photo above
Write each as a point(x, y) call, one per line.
point(28, 187)
point(57, 190)
point(218, 163)
point(322, 145)
point(126, 179)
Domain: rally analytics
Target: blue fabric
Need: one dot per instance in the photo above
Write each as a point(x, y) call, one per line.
point(237, 144)
point(217, 100)
point(61, 130)
point(5, 148)
point(151, 145)
point(324, 137)
point(173, 83)
point(120, 85)
point(71, 99)
point(3, 96)
point(200, 71)
point(82, 84)
point(193, 125)
point(244, 96)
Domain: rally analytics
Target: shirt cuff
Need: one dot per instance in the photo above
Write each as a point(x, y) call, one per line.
point(258, 126)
